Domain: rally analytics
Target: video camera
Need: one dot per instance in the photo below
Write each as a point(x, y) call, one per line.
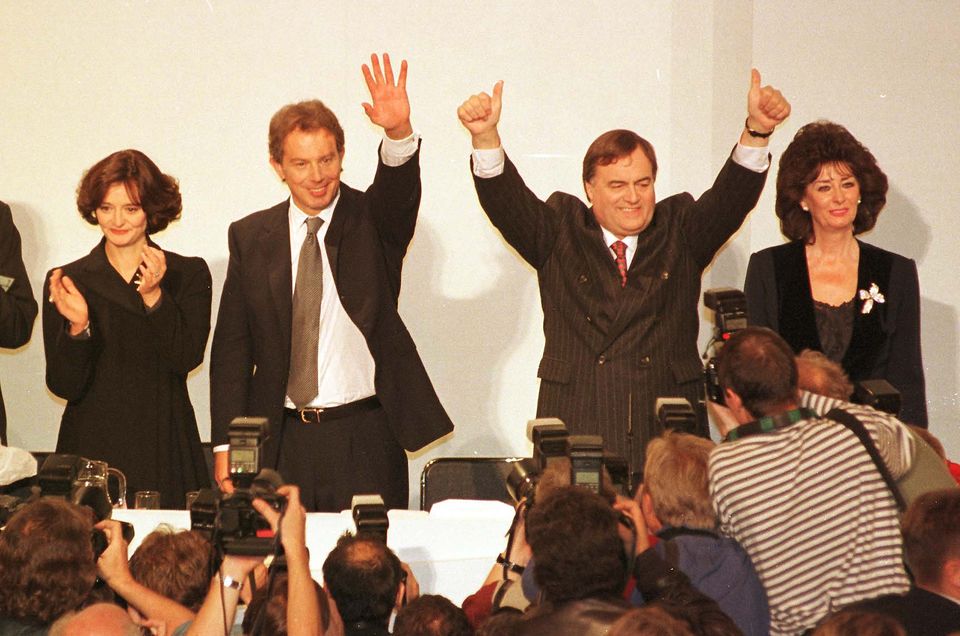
point(229, 520)
point(730, 315)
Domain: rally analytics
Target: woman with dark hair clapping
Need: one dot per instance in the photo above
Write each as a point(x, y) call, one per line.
point(828, 291)
point(123, 326)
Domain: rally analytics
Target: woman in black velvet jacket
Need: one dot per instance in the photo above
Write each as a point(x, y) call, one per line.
point(828, 291)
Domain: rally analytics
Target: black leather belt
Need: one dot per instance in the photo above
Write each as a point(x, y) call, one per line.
point(316, 415)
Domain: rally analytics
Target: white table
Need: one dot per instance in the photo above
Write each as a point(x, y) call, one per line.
point(450, 549)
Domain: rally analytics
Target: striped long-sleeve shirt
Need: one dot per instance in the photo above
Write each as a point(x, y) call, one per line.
point(810, 508)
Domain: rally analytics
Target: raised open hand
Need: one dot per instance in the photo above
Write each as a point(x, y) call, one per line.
point(766, 106)
point(480, 114)
point(69, 301)
point(390, 107)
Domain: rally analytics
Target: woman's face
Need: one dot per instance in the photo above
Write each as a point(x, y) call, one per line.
point(121, 219)
point(832, 198)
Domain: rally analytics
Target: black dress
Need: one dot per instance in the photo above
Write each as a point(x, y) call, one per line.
point(125, 385)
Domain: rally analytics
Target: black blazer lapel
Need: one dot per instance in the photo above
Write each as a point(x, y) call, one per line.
point(868, 328)
point(797, 321)
point(342, 223)
point(95, 274)
point(275, 250)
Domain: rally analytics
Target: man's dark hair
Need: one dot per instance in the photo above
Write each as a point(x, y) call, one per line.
point(816, 145)
point(650, 620)
point(158, 194)
point(267, 609)
point(759, 366)
point(307, 116)
point(931, 534)
point(362, 575)
point(175, 565)
point(613, 145)
point(432, 615)
point(46, 561)
point(576, 545)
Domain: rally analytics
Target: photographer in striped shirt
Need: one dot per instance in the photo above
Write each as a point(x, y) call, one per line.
point(800, 492)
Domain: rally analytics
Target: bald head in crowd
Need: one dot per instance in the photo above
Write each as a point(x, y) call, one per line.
point(100, 619)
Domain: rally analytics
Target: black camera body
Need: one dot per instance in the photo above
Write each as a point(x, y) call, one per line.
point(730, 315)
point(229, 520)
point(878, 394)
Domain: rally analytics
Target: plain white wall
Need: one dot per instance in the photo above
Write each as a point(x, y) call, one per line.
point(193, 84)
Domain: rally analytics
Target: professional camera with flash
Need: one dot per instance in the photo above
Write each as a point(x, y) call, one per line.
point(229, 519)
point(730, 315)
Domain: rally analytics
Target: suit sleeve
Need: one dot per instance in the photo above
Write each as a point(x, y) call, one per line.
point(70, 361)
point(721, 210)
point(231, 356)
point(760, 288)
point(394, 202)
point(18, 308)
point(526, 223)
point(905, 367)
point(181, 324)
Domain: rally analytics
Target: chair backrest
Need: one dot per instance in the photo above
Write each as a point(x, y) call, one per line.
point(465, 478)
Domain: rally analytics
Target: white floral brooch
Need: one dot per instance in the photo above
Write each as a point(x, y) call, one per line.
point(870, 297)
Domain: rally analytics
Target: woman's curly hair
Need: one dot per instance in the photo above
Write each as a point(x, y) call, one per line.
point(815, 145)
point(46, 561)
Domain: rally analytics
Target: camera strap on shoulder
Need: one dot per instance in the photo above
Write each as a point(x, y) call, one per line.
point(857, 428)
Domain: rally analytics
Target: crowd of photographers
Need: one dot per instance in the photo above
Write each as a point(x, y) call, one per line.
point(813, 515)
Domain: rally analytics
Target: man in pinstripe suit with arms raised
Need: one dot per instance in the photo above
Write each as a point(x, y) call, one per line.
point(620, 280)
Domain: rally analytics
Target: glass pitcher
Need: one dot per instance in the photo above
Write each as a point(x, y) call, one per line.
point(95, 473)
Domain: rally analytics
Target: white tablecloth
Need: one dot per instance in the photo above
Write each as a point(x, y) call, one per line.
point(450, 549)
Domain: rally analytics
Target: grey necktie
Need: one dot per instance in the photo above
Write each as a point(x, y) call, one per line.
point(302, 380)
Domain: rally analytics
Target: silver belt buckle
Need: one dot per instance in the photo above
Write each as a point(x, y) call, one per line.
point(315, 412)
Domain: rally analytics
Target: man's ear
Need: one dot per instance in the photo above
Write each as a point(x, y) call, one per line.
point(278, 169)
point(950, 577)
point(398, 602)
point(732, 399)
point(649, 516)
point(588, 188)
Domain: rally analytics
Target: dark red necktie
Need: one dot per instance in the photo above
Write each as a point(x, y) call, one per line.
point(620, 249)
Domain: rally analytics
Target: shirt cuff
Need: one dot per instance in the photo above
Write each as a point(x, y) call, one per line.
point(488, 162)
point(396, 152)
point(752, 158)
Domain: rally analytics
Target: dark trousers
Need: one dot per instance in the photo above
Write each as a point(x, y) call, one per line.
point(331, 461)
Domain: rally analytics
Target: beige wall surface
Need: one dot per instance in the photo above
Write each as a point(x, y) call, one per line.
point(193, 84)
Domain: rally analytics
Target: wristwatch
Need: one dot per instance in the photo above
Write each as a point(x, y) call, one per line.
point(229, 581)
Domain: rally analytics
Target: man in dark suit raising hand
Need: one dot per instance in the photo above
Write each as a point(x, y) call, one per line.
point(308, 332)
